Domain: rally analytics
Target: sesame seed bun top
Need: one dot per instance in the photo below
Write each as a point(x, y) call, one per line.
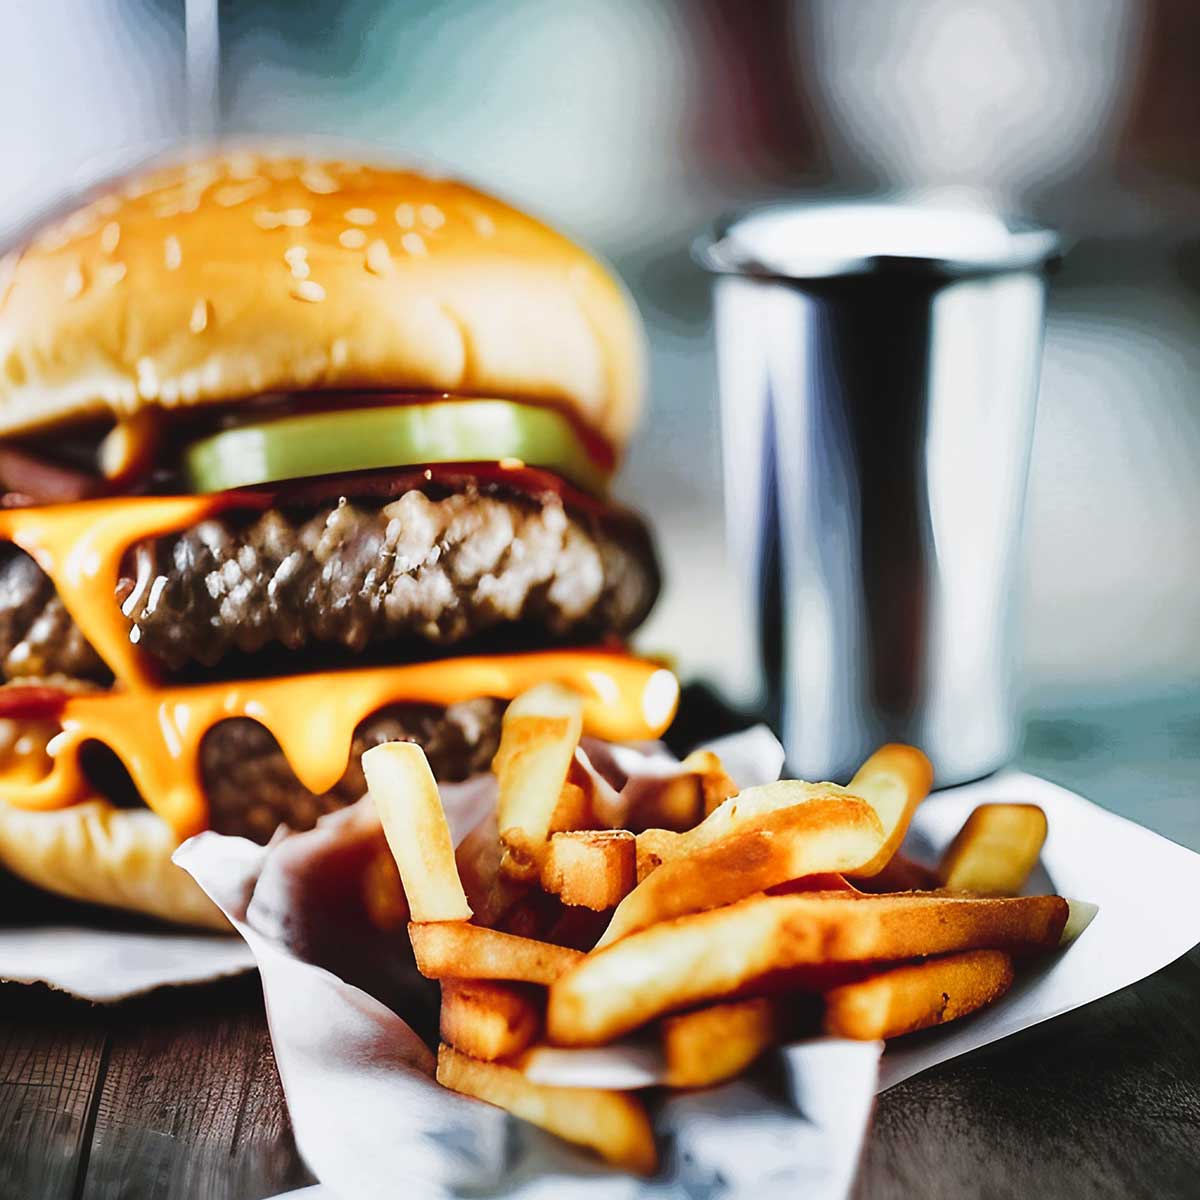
point(244, 273)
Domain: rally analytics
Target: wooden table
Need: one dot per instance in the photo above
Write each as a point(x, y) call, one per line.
point(176, 1095)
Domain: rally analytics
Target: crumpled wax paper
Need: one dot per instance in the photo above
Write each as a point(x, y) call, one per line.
point(369, 1119)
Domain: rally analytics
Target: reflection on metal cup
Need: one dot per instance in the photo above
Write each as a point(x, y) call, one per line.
point(878, 374)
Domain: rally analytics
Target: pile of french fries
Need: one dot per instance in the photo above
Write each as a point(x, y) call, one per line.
point(718, 922)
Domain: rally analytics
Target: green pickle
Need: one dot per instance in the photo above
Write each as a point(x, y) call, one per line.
point(363, 439)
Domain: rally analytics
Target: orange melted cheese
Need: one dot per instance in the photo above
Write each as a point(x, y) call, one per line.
point(157, 730)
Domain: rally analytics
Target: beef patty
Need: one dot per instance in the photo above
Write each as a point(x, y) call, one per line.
point(347, 575)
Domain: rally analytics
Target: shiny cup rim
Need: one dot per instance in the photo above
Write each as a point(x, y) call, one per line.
point(1030, 247)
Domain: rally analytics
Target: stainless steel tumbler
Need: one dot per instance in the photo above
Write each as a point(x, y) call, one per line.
point(878, 373)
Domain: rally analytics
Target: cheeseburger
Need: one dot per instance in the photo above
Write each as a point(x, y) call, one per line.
point(297, 456)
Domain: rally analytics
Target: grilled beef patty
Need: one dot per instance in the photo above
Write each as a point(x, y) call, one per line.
point(345, 575)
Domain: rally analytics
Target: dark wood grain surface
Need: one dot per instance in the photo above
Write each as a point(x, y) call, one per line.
point(176, 1094)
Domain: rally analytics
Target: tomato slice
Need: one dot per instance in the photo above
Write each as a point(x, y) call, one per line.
point(303, 445)
point(32, 702)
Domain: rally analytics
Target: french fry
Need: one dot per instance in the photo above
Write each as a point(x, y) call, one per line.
point(538, 736)
point(675, 802)
point(894, 780)
point(488, 1019)
point(680, 801)
point(710, 1044)
point(657, 846)
point(817, 837)
point(715, 954)
point(899, 874)
point(715, 784)
point(914, 997)
point(995, 851)
point(406, 797)
point(654, 847)
point(456, 950)
point(613, 1124)
point(592, 868)
point(573, 810)
point(383, 893)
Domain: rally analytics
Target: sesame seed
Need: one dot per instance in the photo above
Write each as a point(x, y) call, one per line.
point(339, 352)
point(237, 193)
point(360, 216)
point(74, 282)
point(352, 239)
point(511, 464)
point(318, 181)
point(110, 235)
point(198, 321)
point(296, 257)
point(172, 252)
point(405, 216)
point(432, 217)
point(314, 293)
point(484, 225)
point(414, 243)
point(291, 218)
point(107, 205)
point(110, 274)
point(379, 258)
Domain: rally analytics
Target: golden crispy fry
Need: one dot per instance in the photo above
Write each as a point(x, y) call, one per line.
point(487, 1019)
point(657, 846)
point(820, 836)
point(899, 874)
point(714, 954)
point(674, 803)
point(995, 851)
point(909, 998)
point(592, 868)
point(613, 1124)
point(710, 1044)
point(406, 797)
point(573, 810)
point(715, 785)
point(538, 736)
point(383, 893)
point(654, 847)
point(456, 950)
point(894, 780)
point(679, 802)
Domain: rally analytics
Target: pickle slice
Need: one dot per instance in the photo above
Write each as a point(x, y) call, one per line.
point(361, 439)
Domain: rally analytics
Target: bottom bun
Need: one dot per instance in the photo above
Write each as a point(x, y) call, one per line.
point(105, 855)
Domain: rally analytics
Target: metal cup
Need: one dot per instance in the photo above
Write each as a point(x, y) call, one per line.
point(878, 373)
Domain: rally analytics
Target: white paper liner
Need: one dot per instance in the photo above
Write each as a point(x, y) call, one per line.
point(105, 965)
point(368, 1117)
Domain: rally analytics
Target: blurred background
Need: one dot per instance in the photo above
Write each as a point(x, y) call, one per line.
point(634, 123)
